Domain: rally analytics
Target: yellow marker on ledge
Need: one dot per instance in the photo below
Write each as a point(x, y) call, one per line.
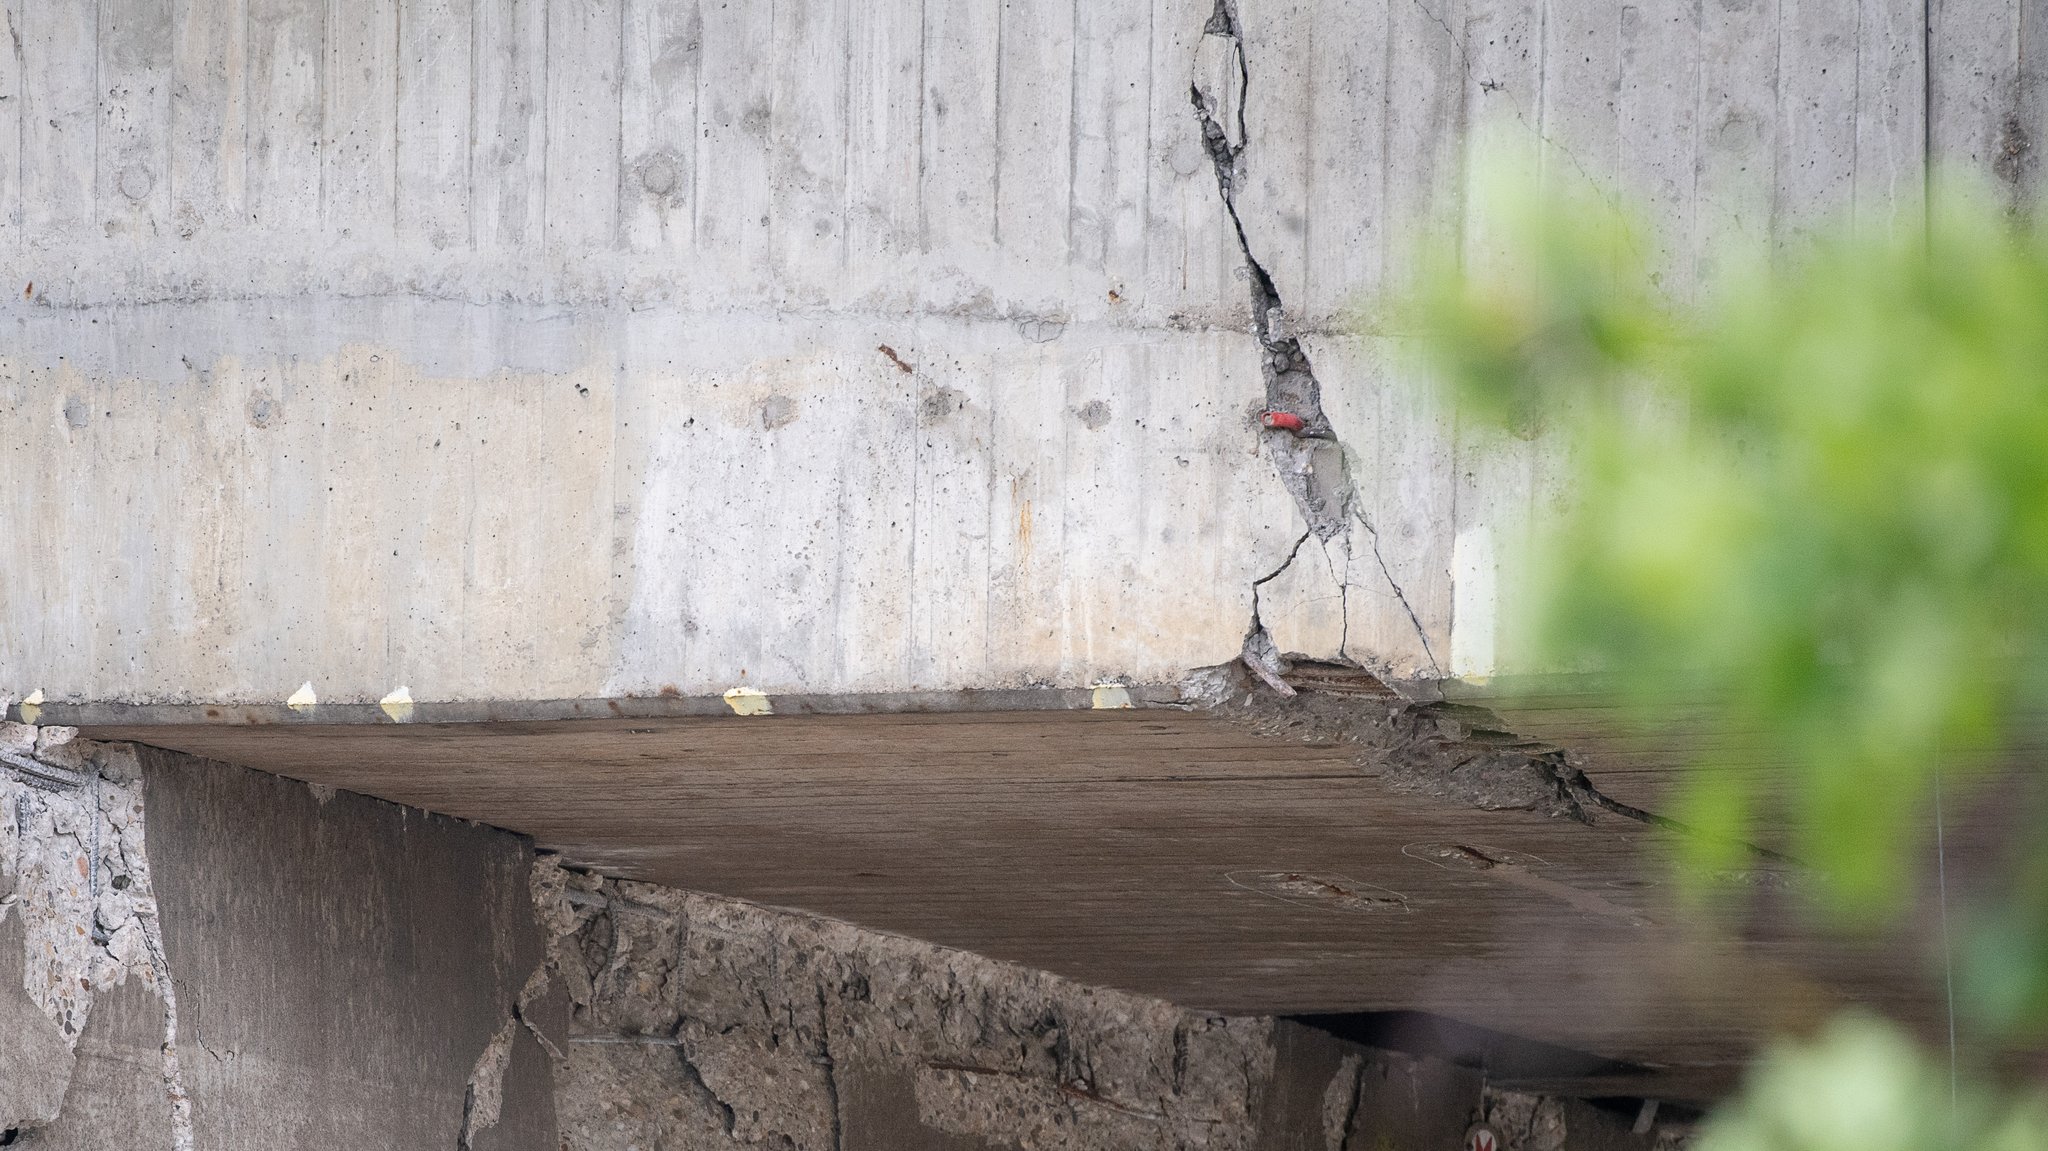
point(303, 700)
point(1111, 697)
point(32, 707)
point(398, 705)
point(748, 701)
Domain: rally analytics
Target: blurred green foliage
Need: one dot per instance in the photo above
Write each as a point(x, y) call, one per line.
point(1812, 507)
point(1861, 1085)
point(1808, 527)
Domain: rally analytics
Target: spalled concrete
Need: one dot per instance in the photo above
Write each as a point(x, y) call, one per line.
point(272, 966)
point(698, 1020)
point(768, 1026)
point(73, 853)
point(352, 971)
point(1431, 746)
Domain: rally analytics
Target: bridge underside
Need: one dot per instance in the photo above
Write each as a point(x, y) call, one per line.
point(1221, 859)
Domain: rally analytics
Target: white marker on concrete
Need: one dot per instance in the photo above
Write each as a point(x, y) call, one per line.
point(748, 701)
point(32, 707)
point(303, 699)
point(398, 705)
point(1111, 696)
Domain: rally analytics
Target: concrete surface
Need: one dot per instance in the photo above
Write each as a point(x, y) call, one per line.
point(311, 968)
point(351, 971)
point(1342, 851)
point(510, 350)
point(702, 1021)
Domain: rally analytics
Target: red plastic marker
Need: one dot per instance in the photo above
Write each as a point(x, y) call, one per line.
point(1286, 421)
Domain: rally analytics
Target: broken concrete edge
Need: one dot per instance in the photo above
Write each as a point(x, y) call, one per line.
point(483, 1095)
point(1419, 741)
point(1424, 735)
point(1110, 693)
point(1429, 736)
point(709, 1016)
point(72, 848)
point(668, 981)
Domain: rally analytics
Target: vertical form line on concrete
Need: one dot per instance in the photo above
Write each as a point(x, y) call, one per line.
point(1856, 132)
point(1778, 114)
point(1543, 23)
point(697, 137)
point(924, 32)
point(1926, 119)
point(1145, 205)
point(845, 141)
point(995, 170)
point(397, 85)
point(323, 142)
point(476, 148)
point(14, 16)
point(1073, 119)
point(98, 15)
point(1699, 102)
point(547, 93)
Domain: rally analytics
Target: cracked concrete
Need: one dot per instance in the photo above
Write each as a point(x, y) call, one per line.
point(694, 1014)
point(355, 969)
point(72, 849)
point(1424, 745)
point(510, 403)
point(346, 971)
point(701, 1020)
point(1312, 461)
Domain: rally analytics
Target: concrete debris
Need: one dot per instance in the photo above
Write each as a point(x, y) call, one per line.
point(770, 1028)
point(701, 1021)
point(1525, 1122)
point(71, 847)
point(1428, 746)
point(1340, 1103)
point(484, 1096)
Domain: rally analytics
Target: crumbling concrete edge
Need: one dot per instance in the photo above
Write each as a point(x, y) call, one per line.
point(72, 841)
point(1419, 742)
point(484, 1093)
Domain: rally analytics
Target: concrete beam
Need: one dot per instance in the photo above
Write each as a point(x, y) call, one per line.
point(334, 968)
point(535, 358)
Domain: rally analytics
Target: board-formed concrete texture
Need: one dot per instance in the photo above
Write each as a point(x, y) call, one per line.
point(514, 350)
point(372, 366)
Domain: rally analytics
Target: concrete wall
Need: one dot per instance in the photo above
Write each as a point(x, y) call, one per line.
point(513, 349)
point(269, 966)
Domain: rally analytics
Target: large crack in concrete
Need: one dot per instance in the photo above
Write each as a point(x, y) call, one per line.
point(1430, 746)
point(71, 843)
point(1311, 460)
point(484, 1094)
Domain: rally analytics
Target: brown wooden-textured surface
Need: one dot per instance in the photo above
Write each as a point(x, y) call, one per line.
point(1127, 849)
